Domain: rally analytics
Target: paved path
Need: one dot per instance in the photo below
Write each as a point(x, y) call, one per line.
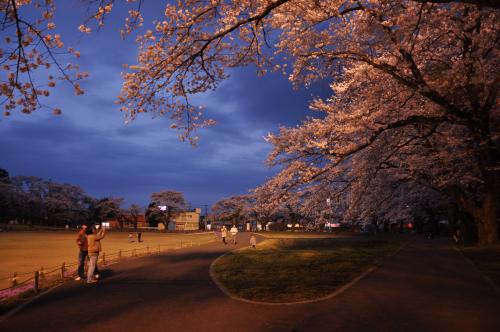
point(427, 286)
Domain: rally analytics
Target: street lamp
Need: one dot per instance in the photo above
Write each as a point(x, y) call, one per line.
point(329, 204)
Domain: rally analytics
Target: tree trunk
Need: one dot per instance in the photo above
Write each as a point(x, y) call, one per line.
point(486, 221)
point(485, 218)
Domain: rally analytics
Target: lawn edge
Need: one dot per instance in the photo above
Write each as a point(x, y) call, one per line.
point(323, 298)
point(24, 304)
point(483, 275)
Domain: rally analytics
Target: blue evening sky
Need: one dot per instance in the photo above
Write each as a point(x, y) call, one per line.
point(89, 144)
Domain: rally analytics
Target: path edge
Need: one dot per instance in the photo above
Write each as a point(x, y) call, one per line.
point(485, 277)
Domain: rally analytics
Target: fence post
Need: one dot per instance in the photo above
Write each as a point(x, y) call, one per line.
point(119, 254)
point(36, 286)
point(103, 258)
point(63, 269)
point(14, 280)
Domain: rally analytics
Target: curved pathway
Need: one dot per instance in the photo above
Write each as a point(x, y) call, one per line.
point(427, 286)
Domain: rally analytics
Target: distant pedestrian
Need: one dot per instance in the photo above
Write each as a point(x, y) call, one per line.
point(253, 241)
point(139, 237)
point(233, 232)
point(428, 231)
point(457, 236)
point(223, 233)
point(94, 237)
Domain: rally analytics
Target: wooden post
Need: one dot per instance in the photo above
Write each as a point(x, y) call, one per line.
point(14, 280)
point(103, 258)
point(119, 254)
point(63, 269)
point(37, 286)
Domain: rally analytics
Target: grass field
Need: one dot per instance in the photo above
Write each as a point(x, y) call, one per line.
point(297, 235)
point(291, 270)
point(25, 252)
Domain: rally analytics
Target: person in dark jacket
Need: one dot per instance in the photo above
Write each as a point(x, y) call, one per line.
point(81, 242)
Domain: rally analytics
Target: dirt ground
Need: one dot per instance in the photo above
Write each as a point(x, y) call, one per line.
point(24, 252)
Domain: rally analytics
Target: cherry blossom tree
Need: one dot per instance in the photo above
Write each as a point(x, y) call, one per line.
point(415, 85)
point(134, 211)
point(234, 209)
point(37, 201)
point(31, 56)
point(172, 200)
point(106, 208)
point(413, 82)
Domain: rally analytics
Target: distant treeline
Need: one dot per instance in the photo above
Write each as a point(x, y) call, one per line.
point(32, 200)
point(36, 201)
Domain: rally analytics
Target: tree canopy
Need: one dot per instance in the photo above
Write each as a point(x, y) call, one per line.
point(414, 86)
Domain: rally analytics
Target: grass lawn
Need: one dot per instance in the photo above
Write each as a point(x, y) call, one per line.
point(487, 260)
point(298, 269)
point(25, 252)
point(296, 235)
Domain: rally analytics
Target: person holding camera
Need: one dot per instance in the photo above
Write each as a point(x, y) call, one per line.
point(94, 237)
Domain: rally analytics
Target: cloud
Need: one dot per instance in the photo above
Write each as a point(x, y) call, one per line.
point(90, 146)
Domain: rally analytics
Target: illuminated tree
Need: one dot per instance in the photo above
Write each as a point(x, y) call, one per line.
point(413, 82)
point(233, 209)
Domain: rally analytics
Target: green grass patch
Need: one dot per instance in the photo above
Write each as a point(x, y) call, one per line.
point(296, 235)
point(487, 260)
point(291, 270)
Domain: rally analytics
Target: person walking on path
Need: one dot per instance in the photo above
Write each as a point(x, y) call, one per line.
point(81, 242)
point(223, 233)
point(234, 231)
point(253, 241)
point(94, 238)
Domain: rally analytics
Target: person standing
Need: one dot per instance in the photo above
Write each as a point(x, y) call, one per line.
point(223, 233)
point(81, 242)
point(94, 238)
point(234, 231)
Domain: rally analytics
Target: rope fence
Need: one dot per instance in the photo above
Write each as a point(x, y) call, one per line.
point(44, 278)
